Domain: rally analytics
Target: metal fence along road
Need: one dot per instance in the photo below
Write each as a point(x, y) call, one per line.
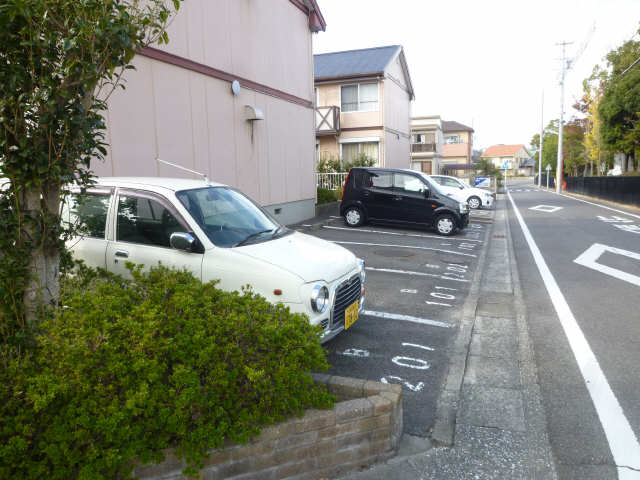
point(616, 189)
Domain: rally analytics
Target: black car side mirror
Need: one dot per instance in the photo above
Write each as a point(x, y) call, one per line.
point(426, 193)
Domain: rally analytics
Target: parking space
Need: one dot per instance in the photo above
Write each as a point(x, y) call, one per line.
point(416, 285)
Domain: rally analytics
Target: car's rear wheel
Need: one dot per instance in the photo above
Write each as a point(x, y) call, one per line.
point(445, 225)
point(474, 202)
point(353, 217)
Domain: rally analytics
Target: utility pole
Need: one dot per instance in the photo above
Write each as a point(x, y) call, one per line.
point(540, 150)
point(559, 165)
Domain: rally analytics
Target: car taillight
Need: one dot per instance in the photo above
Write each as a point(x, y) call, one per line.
point(346, 180)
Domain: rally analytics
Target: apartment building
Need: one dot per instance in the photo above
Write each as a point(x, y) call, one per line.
point(426, 144)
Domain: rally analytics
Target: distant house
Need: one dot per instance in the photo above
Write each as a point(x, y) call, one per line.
point(457, 149)
point(426, 144)
point(179, 104)
point(363, 104)
point(514, 157)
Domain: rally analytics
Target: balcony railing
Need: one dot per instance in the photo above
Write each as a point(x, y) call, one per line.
point(423, 147)
point(330, 180)
point(327, 120)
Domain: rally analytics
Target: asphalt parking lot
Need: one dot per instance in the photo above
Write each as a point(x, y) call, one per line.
point(416, 285)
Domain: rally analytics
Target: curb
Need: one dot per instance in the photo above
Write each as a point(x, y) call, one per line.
point(443, 432)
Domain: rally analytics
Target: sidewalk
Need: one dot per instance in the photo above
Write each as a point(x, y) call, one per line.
point(490, 423)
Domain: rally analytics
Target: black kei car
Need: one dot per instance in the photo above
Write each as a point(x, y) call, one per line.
point(397, 196)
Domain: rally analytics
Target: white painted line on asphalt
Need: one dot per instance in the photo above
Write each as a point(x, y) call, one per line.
point(406, 318)
point(622, 441)
point(419, 274)
point(590, 257)
point(403, 246)
point(546, 208)
point(597, 205)
point(396, 233)
point(404, 344)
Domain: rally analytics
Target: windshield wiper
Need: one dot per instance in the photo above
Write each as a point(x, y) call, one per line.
point(253, 235)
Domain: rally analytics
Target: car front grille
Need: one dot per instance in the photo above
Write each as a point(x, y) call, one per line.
point(324, 323)
point(347, 292)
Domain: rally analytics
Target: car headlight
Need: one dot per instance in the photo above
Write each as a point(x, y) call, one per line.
point(319, 298)
point(363, 274)
point(464, 207)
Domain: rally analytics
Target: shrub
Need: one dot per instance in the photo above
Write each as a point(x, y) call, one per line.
point(326, 195)
point(130, 368)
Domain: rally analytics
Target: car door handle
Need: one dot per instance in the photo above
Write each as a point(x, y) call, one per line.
point(365, 194)
point(396, 198)
point(122, 254)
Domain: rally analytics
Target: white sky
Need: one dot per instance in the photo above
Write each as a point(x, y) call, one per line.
point(485, 63)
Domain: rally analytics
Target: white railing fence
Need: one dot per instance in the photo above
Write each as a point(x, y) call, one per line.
point(330, 180)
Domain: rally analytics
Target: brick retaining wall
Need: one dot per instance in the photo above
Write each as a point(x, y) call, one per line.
point(363, 428)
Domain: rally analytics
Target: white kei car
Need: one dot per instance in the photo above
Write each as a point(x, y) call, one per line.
point(217, 233)
point(475, 197)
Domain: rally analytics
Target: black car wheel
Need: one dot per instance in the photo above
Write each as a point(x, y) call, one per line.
point(445, 225)
point(474, 202)
point(353, 217)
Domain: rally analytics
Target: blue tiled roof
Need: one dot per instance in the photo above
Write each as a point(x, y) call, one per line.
point(353, 62)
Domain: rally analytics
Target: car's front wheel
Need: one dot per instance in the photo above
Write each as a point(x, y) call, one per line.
point(445, 225)
point(474, 202)
point(353, 217)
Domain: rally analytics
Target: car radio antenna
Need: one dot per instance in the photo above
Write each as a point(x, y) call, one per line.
point(203, 175)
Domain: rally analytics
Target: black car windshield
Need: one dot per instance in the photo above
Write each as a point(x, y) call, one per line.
point(228, 217)
point(433, 185)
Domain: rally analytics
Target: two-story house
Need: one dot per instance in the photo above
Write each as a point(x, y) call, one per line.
point(515, 157)
point(363, 104)
point(231, 96)
point(457, 149)
point(426, 144)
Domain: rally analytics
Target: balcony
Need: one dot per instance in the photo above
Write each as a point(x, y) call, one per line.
point(327, 121)
point(423, 147)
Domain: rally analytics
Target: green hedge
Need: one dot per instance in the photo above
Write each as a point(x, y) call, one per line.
point(130, 368)
point(325, 196)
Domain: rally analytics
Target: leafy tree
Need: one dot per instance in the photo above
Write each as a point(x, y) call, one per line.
point(61, 59)
point(573, 147)
point(549, 145)
point(619, 108)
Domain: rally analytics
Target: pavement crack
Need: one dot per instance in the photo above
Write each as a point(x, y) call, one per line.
point(629, 468)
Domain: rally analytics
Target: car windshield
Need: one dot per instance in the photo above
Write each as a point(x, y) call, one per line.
point(433, 185)
point(229, 218)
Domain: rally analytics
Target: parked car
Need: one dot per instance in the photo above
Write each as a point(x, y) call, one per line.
point(475, 197)
point(397, 196)
point(217, 233)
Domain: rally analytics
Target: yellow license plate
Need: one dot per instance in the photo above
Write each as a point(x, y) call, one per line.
point(351, 315)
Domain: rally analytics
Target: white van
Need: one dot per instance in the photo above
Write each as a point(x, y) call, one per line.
point(217, 233)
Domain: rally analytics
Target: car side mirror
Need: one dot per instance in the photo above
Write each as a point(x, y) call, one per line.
point(426, 193)
point(461, 187)
point(182, 241)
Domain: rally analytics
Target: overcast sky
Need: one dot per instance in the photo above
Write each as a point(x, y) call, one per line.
point(485, 63)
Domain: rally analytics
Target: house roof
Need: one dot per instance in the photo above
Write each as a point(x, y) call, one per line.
point(368, 61)
point(502, 150)
point(451, 126)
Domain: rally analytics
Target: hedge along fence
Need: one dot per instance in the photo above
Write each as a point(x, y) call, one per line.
point(616, 189)
point(130, 369)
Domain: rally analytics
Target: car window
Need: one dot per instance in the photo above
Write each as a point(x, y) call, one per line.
point(379, 180)
point(408, 184)
point(450, 182)
point(227, 216)
point(145, 221)
point(87, 212)
point(439, 180)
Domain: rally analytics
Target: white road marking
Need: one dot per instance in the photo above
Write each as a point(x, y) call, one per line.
point(395, 233)
point(414, 388)
point(622, 441)
point(408, 290)
point(590, 257)
point(409, 272)
point(598, 205)
point(410, 362)
point(446, 288)
point(614, 219)
point(546, 208)
point(354, 352)
point(403, 246)
point(437, 303)
point(407, 318)
point(404, 344)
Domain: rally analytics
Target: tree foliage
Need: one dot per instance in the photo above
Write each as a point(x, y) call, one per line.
point(549, 145)
point(60, 60)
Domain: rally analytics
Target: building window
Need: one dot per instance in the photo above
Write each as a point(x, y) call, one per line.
point(453, 139)
point(352, 151)
point(362, 97)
